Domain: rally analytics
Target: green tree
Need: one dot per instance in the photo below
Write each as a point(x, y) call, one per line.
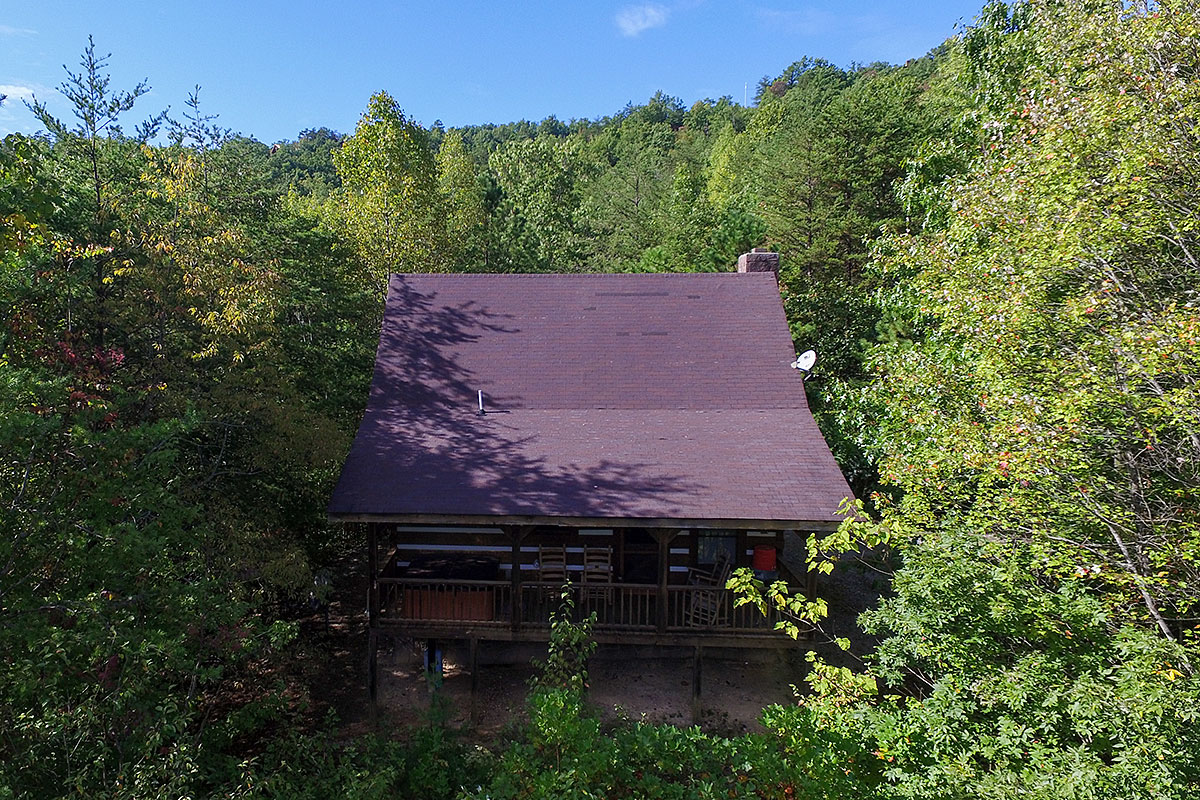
point(118, 606)
point(686, 223)
point(180, 373)
point(306, 164)
point(463, 203)
point(98, 111)
point(625, 201)
point(1054, 394)
point(388, 200)
point(1017, 686)
point(1034, 417)
point(831, 170)
point(539, 181)
point(97, 159)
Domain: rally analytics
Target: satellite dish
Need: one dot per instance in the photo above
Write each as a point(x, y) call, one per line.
point(805, 361)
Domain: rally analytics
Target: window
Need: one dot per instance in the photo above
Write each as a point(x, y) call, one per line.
point(712, 542)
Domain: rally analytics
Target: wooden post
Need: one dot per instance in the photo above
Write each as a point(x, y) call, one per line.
point(697, 662)
point(664, 538)
point(372, 665)
point(517, 533)
point(373, 572)
point(474, 678)
point(619, 554)
point(372, 613)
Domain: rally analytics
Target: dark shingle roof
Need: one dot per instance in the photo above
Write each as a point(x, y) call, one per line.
point(651, 397)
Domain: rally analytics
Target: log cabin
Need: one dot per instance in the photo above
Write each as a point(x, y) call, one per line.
point(632, 436)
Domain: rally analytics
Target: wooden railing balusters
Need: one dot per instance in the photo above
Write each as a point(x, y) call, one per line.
point(495, 604)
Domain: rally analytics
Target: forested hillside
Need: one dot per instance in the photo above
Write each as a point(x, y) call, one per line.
point(993, 248)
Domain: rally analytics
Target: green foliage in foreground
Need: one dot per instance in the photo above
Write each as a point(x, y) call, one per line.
point(991, 681)
point(317, 767)
point(1021, 686)
point(569, 649)
point(177, 360)
point(566, 753)
point(563, 752)
point(1033, 415)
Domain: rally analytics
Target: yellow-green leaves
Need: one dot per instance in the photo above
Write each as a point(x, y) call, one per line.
point(388, 201)
point(1053, 400)
point(462, 200)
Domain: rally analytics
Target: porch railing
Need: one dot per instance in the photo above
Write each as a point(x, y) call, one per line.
point(618, 606)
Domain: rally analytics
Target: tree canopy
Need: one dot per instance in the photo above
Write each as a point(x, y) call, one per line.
point(993, 248)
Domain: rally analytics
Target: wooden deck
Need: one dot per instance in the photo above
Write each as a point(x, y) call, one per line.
point(625, 613)
point(494, 584)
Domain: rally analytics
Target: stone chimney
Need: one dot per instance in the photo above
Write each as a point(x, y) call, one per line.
point(760, 259)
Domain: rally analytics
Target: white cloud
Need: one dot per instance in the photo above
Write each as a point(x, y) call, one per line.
point(9, 30)
point(633, 20)
point(16, 92)
point(14, 117)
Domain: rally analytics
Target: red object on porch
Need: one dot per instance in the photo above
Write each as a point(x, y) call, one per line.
point(764, 558)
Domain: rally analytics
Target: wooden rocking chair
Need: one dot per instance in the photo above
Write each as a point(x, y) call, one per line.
point(707, 607)
point(597, 574)
point(552, 567)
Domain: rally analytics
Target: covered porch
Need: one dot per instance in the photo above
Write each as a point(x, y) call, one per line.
point(648, 584)
point(645, 584)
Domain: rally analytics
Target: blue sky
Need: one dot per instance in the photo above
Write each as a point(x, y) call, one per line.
point(271, 69)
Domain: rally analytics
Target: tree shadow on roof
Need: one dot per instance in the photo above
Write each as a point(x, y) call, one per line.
point(412, 367)
point(422, 448)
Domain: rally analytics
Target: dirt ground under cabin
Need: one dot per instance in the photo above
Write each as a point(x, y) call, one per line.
point(625, 682)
